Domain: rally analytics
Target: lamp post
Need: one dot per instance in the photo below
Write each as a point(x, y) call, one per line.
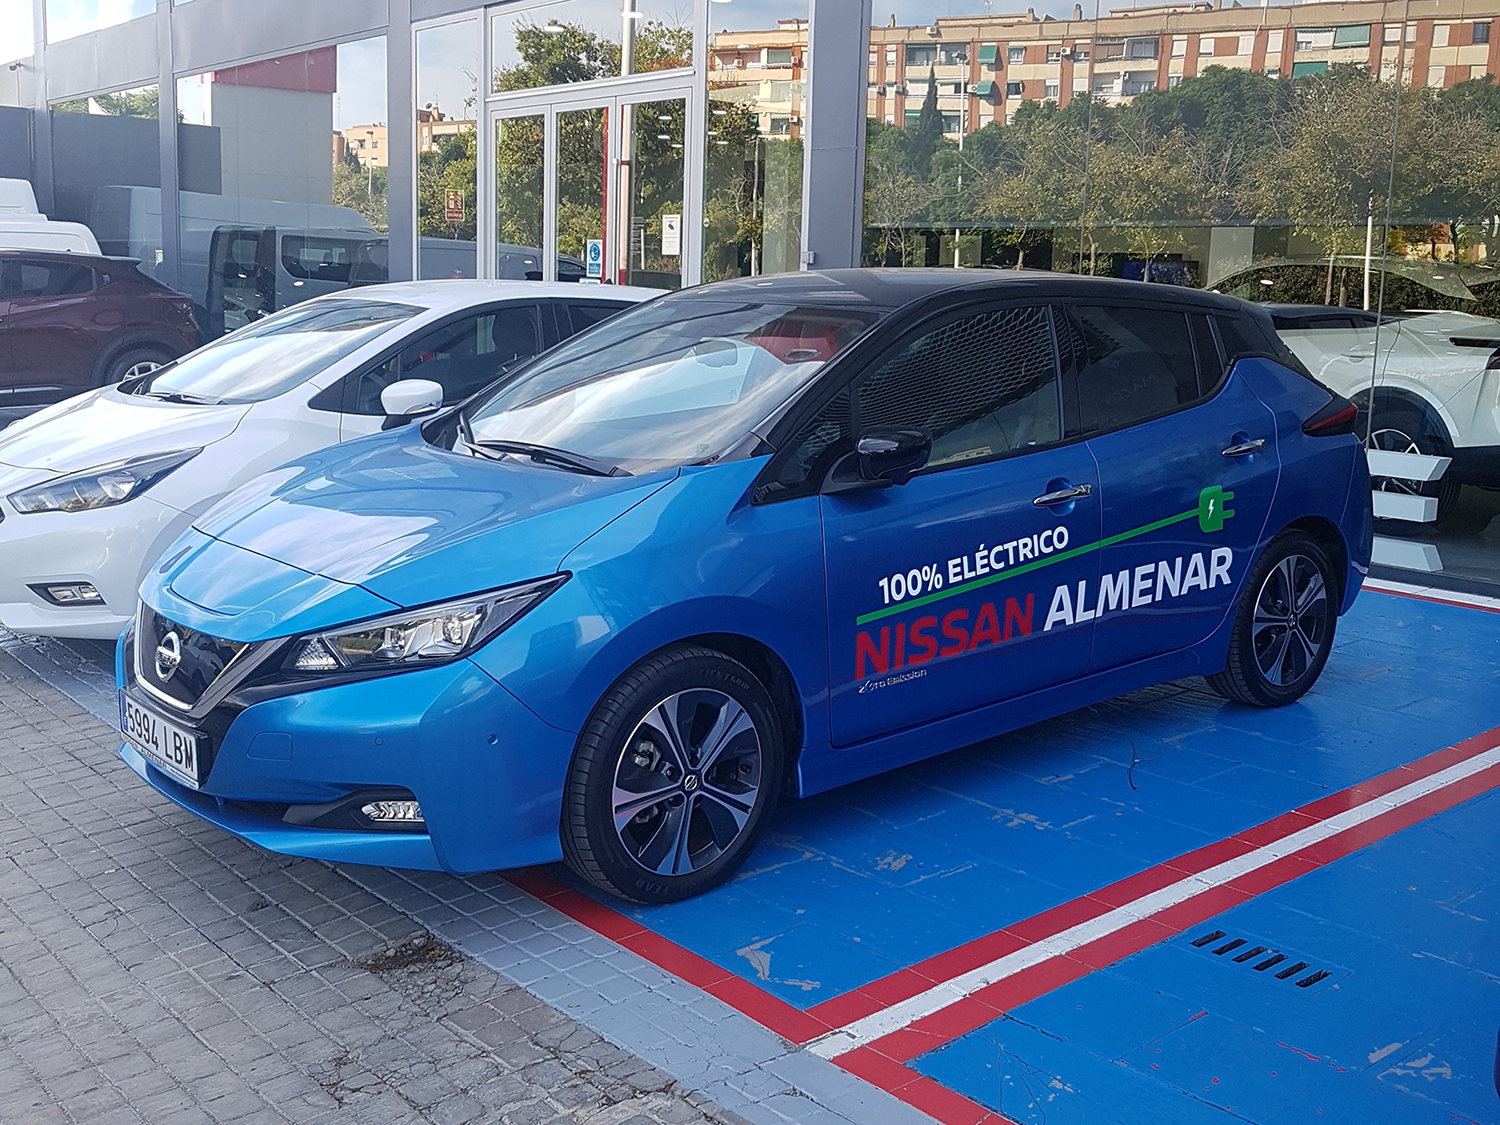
point(370, 163)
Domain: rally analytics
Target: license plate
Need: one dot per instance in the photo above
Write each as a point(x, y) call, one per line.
point(169, 747)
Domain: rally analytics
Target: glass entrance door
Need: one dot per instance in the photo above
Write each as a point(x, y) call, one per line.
point(591, 188)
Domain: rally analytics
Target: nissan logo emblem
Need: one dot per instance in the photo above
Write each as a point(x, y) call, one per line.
point(168, 656)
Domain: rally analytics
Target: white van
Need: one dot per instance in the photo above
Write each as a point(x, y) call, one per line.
point(43, 234)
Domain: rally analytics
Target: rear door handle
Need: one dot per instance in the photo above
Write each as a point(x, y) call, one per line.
point(1063, 495)
point(1245, 447)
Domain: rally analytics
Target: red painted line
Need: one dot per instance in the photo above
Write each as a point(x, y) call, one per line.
point(1429, 598)
point(917, 1090)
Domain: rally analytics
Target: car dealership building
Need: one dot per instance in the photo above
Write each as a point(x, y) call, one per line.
point(253, 157)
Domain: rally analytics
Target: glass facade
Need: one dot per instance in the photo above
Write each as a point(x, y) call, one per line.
point(282, 173)
point(1334, 159)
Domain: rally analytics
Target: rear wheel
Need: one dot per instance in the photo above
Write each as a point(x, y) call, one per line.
point(674, 776)
point(1283, 628)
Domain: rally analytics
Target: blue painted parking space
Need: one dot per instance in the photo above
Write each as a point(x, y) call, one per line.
point(852, 888)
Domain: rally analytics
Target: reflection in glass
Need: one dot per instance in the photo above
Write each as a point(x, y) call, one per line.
point(281, 172)
point(447, 58)
point(581, 176)
point(519, 198)
point(652, 183)
point(17, 41)
point(104, 148)
point(753, 151)
point(581, 40)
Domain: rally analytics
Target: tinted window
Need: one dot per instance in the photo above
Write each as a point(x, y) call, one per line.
point(590, 314)
point(980, 386)
point(1210, 363)
point(321, 259)
point(461, 357)
point(1132, 364)
point(32, 280)
point(1240, 336)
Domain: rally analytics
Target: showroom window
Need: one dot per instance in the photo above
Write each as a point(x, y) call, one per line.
point(17, 41)
point(106, 171)
point(583, 40)
point(281, 173)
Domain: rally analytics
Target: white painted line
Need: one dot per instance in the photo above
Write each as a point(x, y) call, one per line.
point(907, 1012)
point(1479, 601)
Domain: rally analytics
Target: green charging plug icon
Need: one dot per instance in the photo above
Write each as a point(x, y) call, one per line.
point(1213, 508)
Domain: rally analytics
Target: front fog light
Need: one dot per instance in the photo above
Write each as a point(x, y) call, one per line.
point(69, 593)
point(393, 812)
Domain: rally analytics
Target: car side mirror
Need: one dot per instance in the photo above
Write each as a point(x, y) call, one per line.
point(890, 456)
point(411, 398)
point(883, 457)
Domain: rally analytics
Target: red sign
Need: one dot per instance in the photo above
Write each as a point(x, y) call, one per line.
point(454, 204)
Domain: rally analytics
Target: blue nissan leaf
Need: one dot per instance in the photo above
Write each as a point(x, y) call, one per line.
point(762, 537)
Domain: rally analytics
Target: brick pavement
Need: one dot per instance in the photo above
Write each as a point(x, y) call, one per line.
point(156, 969)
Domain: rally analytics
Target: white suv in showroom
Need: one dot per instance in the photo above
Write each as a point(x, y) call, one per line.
point(1436, 385)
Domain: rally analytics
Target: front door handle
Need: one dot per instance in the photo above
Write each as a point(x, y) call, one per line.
point(1245, 447)
point(1063, 495)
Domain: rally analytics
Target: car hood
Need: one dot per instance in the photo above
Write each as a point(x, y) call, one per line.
point(414, 524)
point(102, 426)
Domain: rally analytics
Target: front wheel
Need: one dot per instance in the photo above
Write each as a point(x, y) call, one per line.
point(673, 778)
point(1283, 628)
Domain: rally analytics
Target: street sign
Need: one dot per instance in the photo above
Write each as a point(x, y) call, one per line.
point(593, 257)
point(453, 202)
point(671, 236)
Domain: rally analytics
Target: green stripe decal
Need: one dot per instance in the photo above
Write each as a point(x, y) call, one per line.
point(1027, 568)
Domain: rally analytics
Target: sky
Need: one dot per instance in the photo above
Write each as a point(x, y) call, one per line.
point(360, 99)
point(67, 18)
point(15, 29)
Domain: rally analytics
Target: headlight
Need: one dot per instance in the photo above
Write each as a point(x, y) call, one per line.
point(101, 486)
point(429, 635)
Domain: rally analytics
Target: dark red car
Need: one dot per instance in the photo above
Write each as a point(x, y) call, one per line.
point(69, 322)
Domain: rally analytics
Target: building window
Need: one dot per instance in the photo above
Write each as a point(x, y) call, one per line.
point(1435, 76)
point(1439, 35)
point(1139, 84)
point(1173, 81)
point(1308, 69)
point(1314, 38)
point(1481, 33)
point(1393, 33)
point(1246, 45)
point(1206, 45)
point(1357, 36)
point(781, 126)
point(1015, 55)
point(1053, 91)
point(1014, 89)
point(1179, 46)
point(1274, 42)
point(952, 122)
point(921, 54)
point(779, 56)
point(1110, 48)
point(1144, 48)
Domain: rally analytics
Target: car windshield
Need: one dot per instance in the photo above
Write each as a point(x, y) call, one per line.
point(672, 383)
point(271, 356)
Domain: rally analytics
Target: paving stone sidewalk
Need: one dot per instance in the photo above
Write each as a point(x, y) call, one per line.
point(156, 969)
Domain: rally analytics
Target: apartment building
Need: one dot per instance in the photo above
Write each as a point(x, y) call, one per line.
point(984, 67)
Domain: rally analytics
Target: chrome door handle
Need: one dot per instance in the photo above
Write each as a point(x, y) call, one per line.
point(1063, 495)
point(1245, 447)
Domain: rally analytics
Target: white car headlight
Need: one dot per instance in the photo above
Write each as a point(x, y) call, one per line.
point(102, 486)
point(428, 635)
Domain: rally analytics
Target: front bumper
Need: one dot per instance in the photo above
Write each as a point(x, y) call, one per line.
point(109, 547)
point(486, 771)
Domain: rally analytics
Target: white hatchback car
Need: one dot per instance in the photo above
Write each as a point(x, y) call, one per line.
point(93, 489)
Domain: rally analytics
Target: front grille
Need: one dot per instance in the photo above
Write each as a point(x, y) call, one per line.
point(201, 658)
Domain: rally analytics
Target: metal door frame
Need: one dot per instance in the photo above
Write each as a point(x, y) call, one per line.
point(615, 95)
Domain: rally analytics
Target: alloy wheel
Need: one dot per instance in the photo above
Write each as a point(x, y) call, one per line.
point(135, 370)
point(1291, 620)
point(1396, 441)
point(687, 781)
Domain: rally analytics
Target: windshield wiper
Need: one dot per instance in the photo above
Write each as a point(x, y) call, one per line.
point(183, 397)
point(546, 455)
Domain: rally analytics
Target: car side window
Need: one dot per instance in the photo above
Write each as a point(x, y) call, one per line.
point(1132, 363)
point(586, 314)
point(30, 280)
point(981, 386)
point(461, 357)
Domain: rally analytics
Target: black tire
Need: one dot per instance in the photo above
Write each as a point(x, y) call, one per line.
point(1276, 651)
point(1405, 430)
point(138, 359)
point(658, 853)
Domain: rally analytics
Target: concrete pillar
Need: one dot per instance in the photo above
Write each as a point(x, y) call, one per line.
point(401, 159)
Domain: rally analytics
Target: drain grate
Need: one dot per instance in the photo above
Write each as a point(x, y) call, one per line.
point(1261, 958)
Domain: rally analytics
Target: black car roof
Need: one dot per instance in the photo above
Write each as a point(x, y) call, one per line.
point(893, 288)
